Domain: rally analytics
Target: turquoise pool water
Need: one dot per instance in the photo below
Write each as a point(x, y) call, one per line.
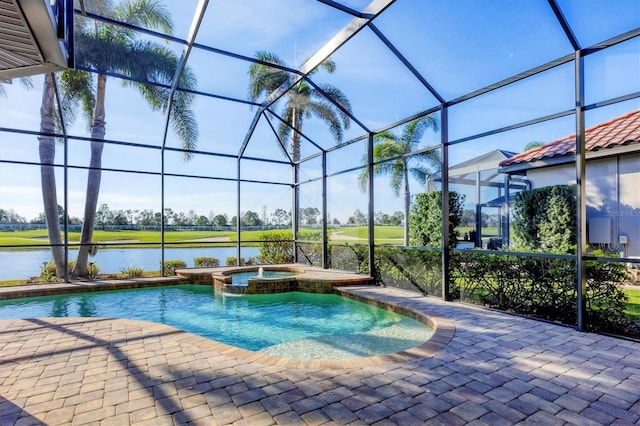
point(243, 277)
point(297, 325)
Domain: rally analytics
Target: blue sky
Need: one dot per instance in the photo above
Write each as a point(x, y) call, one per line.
point(457, 46)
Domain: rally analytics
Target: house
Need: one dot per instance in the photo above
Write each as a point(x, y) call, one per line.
point(486, 188)
point(612, 153)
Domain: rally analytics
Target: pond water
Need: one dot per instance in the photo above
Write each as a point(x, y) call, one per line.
point(15, 265)
point(296, 325)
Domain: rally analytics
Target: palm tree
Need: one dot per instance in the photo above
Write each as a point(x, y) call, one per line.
point(302, 101)
point(395, 148)
point(47, 153)
point(110, 48)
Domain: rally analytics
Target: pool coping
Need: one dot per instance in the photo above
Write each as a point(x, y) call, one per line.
point(408, 305)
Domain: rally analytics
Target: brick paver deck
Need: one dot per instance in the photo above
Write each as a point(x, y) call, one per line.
point(489, 368)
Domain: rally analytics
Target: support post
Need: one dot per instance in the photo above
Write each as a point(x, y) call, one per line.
point(238, 219)
point(370, 213)
point(581, 209)
point(446, 253)
point(325, 237)
point(294, 209)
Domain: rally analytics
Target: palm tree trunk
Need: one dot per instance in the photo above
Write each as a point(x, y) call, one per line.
point(47, 151)
point(295, 136)
point(93, 180)
point(407, 201)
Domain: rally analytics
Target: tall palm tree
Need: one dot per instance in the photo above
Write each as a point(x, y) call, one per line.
point(302, 102)
point(47, 153)
point(395, 148)
point(111, 48)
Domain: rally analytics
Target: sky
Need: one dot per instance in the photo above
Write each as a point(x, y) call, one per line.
point(458, 47)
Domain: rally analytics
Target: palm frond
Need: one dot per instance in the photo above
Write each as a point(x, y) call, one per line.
point(363, 177)
point(328, 65)
point(432, 158)
point(25, 82)
point(150, 14)
point(397, 177)
point(184, 123)
point(284, 129)
point(263, 79)
point(325, 112)
point(77, 89)
point(98, 7)
point(414, 130)
point(337, 96)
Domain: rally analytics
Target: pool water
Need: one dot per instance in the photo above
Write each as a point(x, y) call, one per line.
point(296, 325)
point(243, 277)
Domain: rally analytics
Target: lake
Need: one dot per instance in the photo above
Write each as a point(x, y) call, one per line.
point(15, 265)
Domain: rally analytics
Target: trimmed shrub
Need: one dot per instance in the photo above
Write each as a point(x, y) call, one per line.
point(410, 269)
point(544, 288)
point(349, 257)
point(233, 261)
point(48, 271)
point(425, 219)
point(206, 262)
point(545, 218)
point(276, 247)
point(131, 272)
point(169, 266)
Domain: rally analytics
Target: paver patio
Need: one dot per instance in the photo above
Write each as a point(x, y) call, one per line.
point(492, 369)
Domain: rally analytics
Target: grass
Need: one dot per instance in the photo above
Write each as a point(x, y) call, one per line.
point(489, 231)
point(633, 304)
point(39, 237)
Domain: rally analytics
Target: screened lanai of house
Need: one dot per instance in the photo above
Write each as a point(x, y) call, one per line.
point(330, 122)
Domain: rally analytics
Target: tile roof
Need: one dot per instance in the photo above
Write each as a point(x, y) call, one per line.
point(619, 131)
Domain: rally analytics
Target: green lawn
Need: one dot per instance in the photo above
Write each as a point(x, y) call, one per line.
point(355, 234)
point(633, 305)
point(40, 237)
point(489, 231)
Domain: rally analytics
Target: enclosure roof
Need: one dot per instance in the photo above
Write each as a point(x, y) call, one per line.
point(620, 131)
point(395, 60)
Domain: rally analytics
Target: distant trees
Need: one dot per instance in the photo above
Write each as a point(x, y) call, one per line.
point(109, 217)
point(10, 216)
point(250, 218)
point(309, 216)
point(357, 219)
point(280, 217)
point(220, 220)
point(395, 219)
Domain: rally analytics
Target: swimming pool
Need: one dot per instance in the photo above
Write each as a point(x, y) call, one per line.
point(296, 325)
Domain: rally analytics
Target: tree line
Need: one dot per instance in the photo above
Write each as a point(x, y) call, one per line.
point(106, 216)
